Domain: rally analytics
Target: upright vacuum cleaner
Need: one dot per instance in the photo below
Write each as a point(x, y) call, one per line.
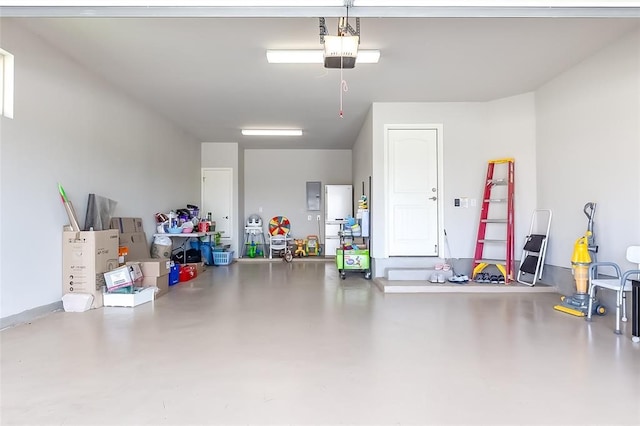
point(583, 250)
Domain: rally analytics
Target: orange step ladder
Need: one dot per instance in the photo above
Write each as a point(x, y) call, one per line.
point(497, 214)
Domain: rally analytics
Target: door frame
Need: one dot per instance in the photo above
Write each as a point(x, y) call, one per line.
point(231, 205)
point(440, 187)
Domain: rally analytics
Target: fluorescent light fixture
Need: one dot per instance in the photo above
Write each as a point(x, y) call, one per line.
point(495, 3)
point(175, 3)
point(271, 132)
point(316, 56)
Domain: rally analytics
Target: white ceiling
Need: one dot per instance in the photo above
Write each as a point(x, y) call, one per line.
point(210, 75)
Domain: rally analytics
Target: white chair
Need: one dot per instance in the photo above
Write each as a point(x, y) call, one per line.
point(279, 238)
point(277, 243)
point(620, 283)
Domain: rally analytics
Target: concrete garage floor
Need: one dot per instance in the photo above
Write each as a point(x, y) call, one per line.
point(276, 343)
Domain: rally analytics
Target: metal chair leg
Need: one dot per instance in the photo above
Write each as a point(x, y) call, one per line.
point(624, 307)
point(617, 330)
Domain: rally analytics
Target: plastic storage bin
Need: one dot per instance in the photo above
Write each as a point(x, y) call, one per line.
point(222, 257)
point(206, 251)
point(174, 274)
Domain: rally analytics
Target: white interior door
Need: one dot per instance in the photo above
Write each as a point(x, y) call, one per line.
point(413, 192)
point(217, 198)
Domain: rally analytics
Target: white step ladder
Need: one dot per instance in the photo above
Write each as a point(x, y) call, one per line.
point(535, 248)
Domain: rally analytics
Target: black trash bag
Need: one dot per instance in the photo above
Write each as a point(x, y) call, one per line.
point(193, 256)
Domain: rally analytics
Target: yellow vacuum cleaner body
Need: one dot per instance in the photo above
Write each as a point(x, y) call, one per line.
point(578, 304)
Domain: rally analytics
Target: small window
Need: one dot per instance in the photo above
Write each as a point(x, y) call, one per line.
point(6, 84)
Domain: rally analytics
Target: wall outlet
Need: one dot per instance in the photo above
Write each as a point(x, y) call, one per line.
point(318, 218)
point(456, 202)
point(309, 217)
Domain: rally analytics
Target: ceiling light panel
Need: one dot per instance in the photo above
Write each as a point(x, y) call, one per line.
point(495, 3)
point(271, 132)
point(176, 3)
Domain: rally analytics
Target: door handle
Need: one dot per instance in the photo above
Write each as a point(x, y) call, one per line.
point(433, 198)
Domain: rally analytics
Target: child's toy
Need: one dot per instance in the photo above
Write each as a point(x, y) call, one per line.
point(300, 251)
point(279, 239)
point(279, 225)
point(362, 203)
point(252, 249)
point(312, 245)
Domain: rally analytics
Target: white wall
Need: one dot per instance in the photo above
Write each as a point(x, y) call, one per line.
point(363, 156)
point(362, 152)
point(225, 155)
point(71, 127)
point(275, 180)
point(511, 132)
point(473, 133)
point(588, 149)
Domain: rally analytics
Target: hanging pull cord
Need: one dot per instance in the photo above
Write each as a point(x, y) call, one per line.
point(343, 83)
point(343, 88)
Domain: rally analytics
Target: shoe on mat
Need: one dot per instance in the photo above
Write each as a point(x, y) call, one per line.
point(459, 279)
point(439, 267)
point(446, 267)
point(440, 278)
point(434, 278)
point(494, 279)
point(501, 279)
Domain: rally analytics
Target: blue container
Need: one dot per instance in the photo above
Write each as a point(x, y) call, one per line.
point(205, 250)
point(174, 273)
point(207, 253)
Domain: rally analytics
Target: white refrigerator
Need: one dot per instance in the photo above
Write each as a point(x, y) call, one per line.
point(338, 205)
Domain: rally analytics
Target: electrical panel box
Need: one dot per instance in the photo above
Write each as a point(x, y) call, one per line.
point(313, 196)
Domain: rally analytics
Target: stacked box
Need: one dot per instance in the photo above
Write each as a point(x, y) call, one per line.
point(155, 273)
point(127, 225)
point(139, 296)
point(125, 276)
point(86, 256)
point(132, 236)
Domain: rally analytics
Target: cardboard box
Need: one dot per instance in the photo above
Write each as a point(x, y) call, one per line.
point(136, 244)
point(154, 267)
point(123, 276)
point(138, 297)
point(86, 256)
point(162, 282)
point(126, 225)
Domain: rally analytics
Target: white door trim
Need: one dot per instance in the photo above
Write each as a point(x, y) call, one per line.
point(440, 161)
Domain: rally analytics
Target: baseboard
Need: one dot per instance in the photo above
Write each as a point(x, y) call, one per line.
point(29, 315)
